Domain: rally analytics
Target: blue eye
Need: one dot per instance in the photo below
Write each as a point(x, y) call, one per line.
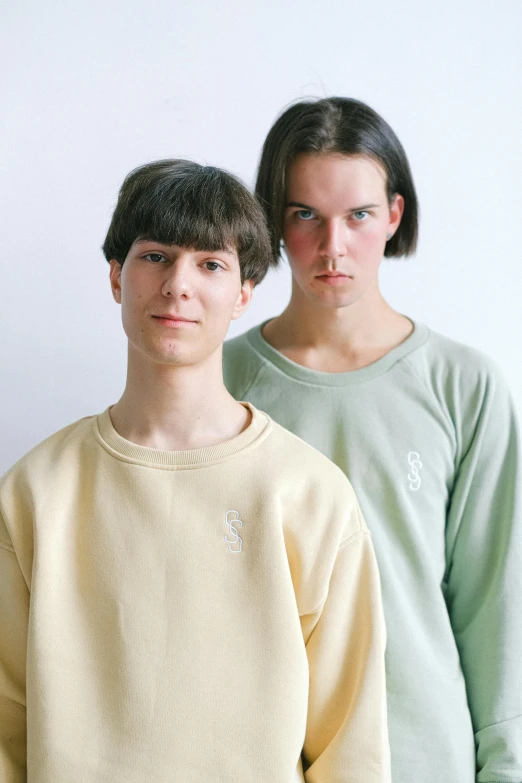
point(360, 215)
point(304, 214)
point(156, 258)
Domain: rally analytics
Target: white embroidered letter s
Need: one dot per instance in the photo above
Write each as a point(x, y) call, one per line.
point(235, 544)
point(415, 464)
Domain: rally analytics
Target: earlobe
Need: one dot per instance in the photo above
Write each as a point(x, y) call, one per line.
point(115, 278)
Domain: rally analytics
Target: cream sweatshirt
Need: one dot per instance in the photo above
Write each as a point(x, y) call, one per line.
point(187, 617)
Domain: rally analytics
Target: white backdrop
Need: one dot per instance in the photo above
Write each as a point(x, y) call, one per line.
point(91, 89)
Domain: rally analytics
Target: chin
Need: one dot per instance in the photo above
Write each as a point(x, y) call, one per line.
point(168, 359)
point(182, 356)
point(174, 356)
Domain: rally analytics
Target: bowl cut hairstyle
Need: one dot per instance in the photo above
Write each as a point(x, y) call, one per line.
point(341, 126)
point(178, 202)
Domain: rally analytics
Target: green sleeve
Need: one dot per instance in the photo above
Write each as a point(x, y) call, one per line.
point(483, 580)
point(14, 612)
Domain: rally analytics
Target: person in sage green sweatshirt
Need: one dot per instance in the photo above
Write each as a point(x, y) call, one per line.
point(188, 592)
point(424, 428)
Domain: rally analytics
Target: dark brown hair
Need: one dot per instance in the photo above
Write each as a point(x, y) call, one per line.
point(335, 126)
point(178, 202)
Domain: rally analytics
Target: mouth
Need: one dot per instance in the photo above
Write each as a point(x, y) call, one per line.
point(333, 278)
point(173, 321)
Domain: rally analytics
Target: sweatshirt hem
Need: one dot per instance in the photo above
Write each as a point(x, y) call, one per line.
point(492, 726)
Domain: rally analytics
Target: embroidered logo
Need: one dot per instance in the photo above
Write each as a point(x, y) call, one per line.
point(235, 543)
point(415, 464)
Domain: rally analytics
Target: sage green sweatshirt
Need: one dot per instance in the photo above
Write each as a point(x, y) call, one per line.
point(427, 436)
point(203, 616)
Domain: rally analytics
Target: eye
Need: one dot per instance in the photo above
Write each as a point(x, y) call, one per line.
point(155, 258)
point(304, 214)
point(212, 266)
point(361, 214)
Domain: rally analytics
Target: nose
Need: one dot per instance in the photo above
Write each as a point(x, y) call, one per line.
point(177, 284)
point(333, 239)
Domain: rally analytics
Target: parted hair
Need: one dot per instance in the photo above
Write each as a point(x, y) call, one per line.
point(335, 126)
point(178, 202)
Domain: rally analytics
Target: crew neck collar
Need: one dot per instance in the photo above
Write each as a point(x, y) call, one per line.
point(318, 378)
point(128, 451)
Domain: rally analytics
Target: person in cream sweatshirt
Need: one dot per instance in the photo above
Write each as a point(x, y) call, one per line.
point(188, 592)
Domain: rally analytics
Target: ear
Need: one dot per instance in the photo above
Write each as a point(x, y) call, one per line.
point(396, 212)
point(115, 278)
point(244, 298)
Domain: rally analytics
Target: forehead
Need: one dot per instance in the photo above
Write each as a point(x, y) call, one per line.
point(315, 179)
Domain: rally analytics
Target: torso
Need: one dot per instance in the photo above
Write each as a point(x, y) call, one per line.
point(395, 438)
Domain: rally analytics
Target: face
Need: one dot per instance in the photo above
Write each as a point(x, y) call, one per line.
point(177, 303)
point(336, 222)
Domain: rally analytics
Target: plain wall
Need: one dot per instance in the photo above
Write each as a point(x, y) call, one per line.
point(90, 89)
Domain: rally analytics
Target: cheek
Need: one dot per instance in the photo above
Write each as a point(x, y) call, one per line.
point(370, 241)
point(299, 244)
point(219, 298)
point(132, 300)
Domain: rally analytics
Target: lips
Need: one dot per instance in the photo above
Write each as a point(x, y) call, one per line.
point(169, 319)
point(329, 274)
point(333, 278)
point(172, 317)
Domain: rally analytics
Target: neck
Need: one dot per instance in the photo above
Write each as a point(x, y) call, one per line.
point(337, 339)
point(177, 408)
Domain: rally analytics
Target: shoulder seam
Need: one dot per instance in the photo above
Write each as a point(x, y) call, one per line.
point(362, 528)
point(251, 382)
point(430, 391)
point(419, 378)
point(259, 359)
point(6, 544)
point(358, 534)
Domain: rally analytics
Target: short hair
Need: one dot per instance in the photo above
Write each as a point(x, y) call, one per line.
point(178, 202)
point(335, 126)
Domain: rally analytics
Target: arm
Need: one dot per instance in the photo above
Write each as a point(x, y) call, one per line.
point(346, 736)
point(14, 611)
point(484, 580)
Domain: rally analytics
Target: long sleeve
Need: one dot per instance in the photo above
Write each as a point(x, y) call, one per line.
point(484, 578)
point(14, 610)
point(346, 736)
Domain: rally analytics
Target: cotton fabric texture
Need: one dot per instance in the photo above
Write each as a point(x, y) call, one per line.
point(195, 616)
point(428, 438)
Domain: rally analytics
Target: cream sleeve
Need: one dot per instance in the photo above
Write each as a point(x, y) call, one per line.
point(347, 735)
point(14, 613)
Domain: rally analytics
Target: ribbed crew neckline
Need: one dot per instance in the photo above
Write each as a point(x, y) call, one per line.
point(128, 451)
point(318, 378)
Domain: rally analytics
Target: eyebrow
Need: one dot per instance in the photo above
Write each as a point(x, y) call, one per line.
point(226, 251)
point(312, 209)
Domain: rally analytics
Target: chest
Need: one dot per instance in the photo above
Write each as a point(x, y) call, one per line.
point(396, 444)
